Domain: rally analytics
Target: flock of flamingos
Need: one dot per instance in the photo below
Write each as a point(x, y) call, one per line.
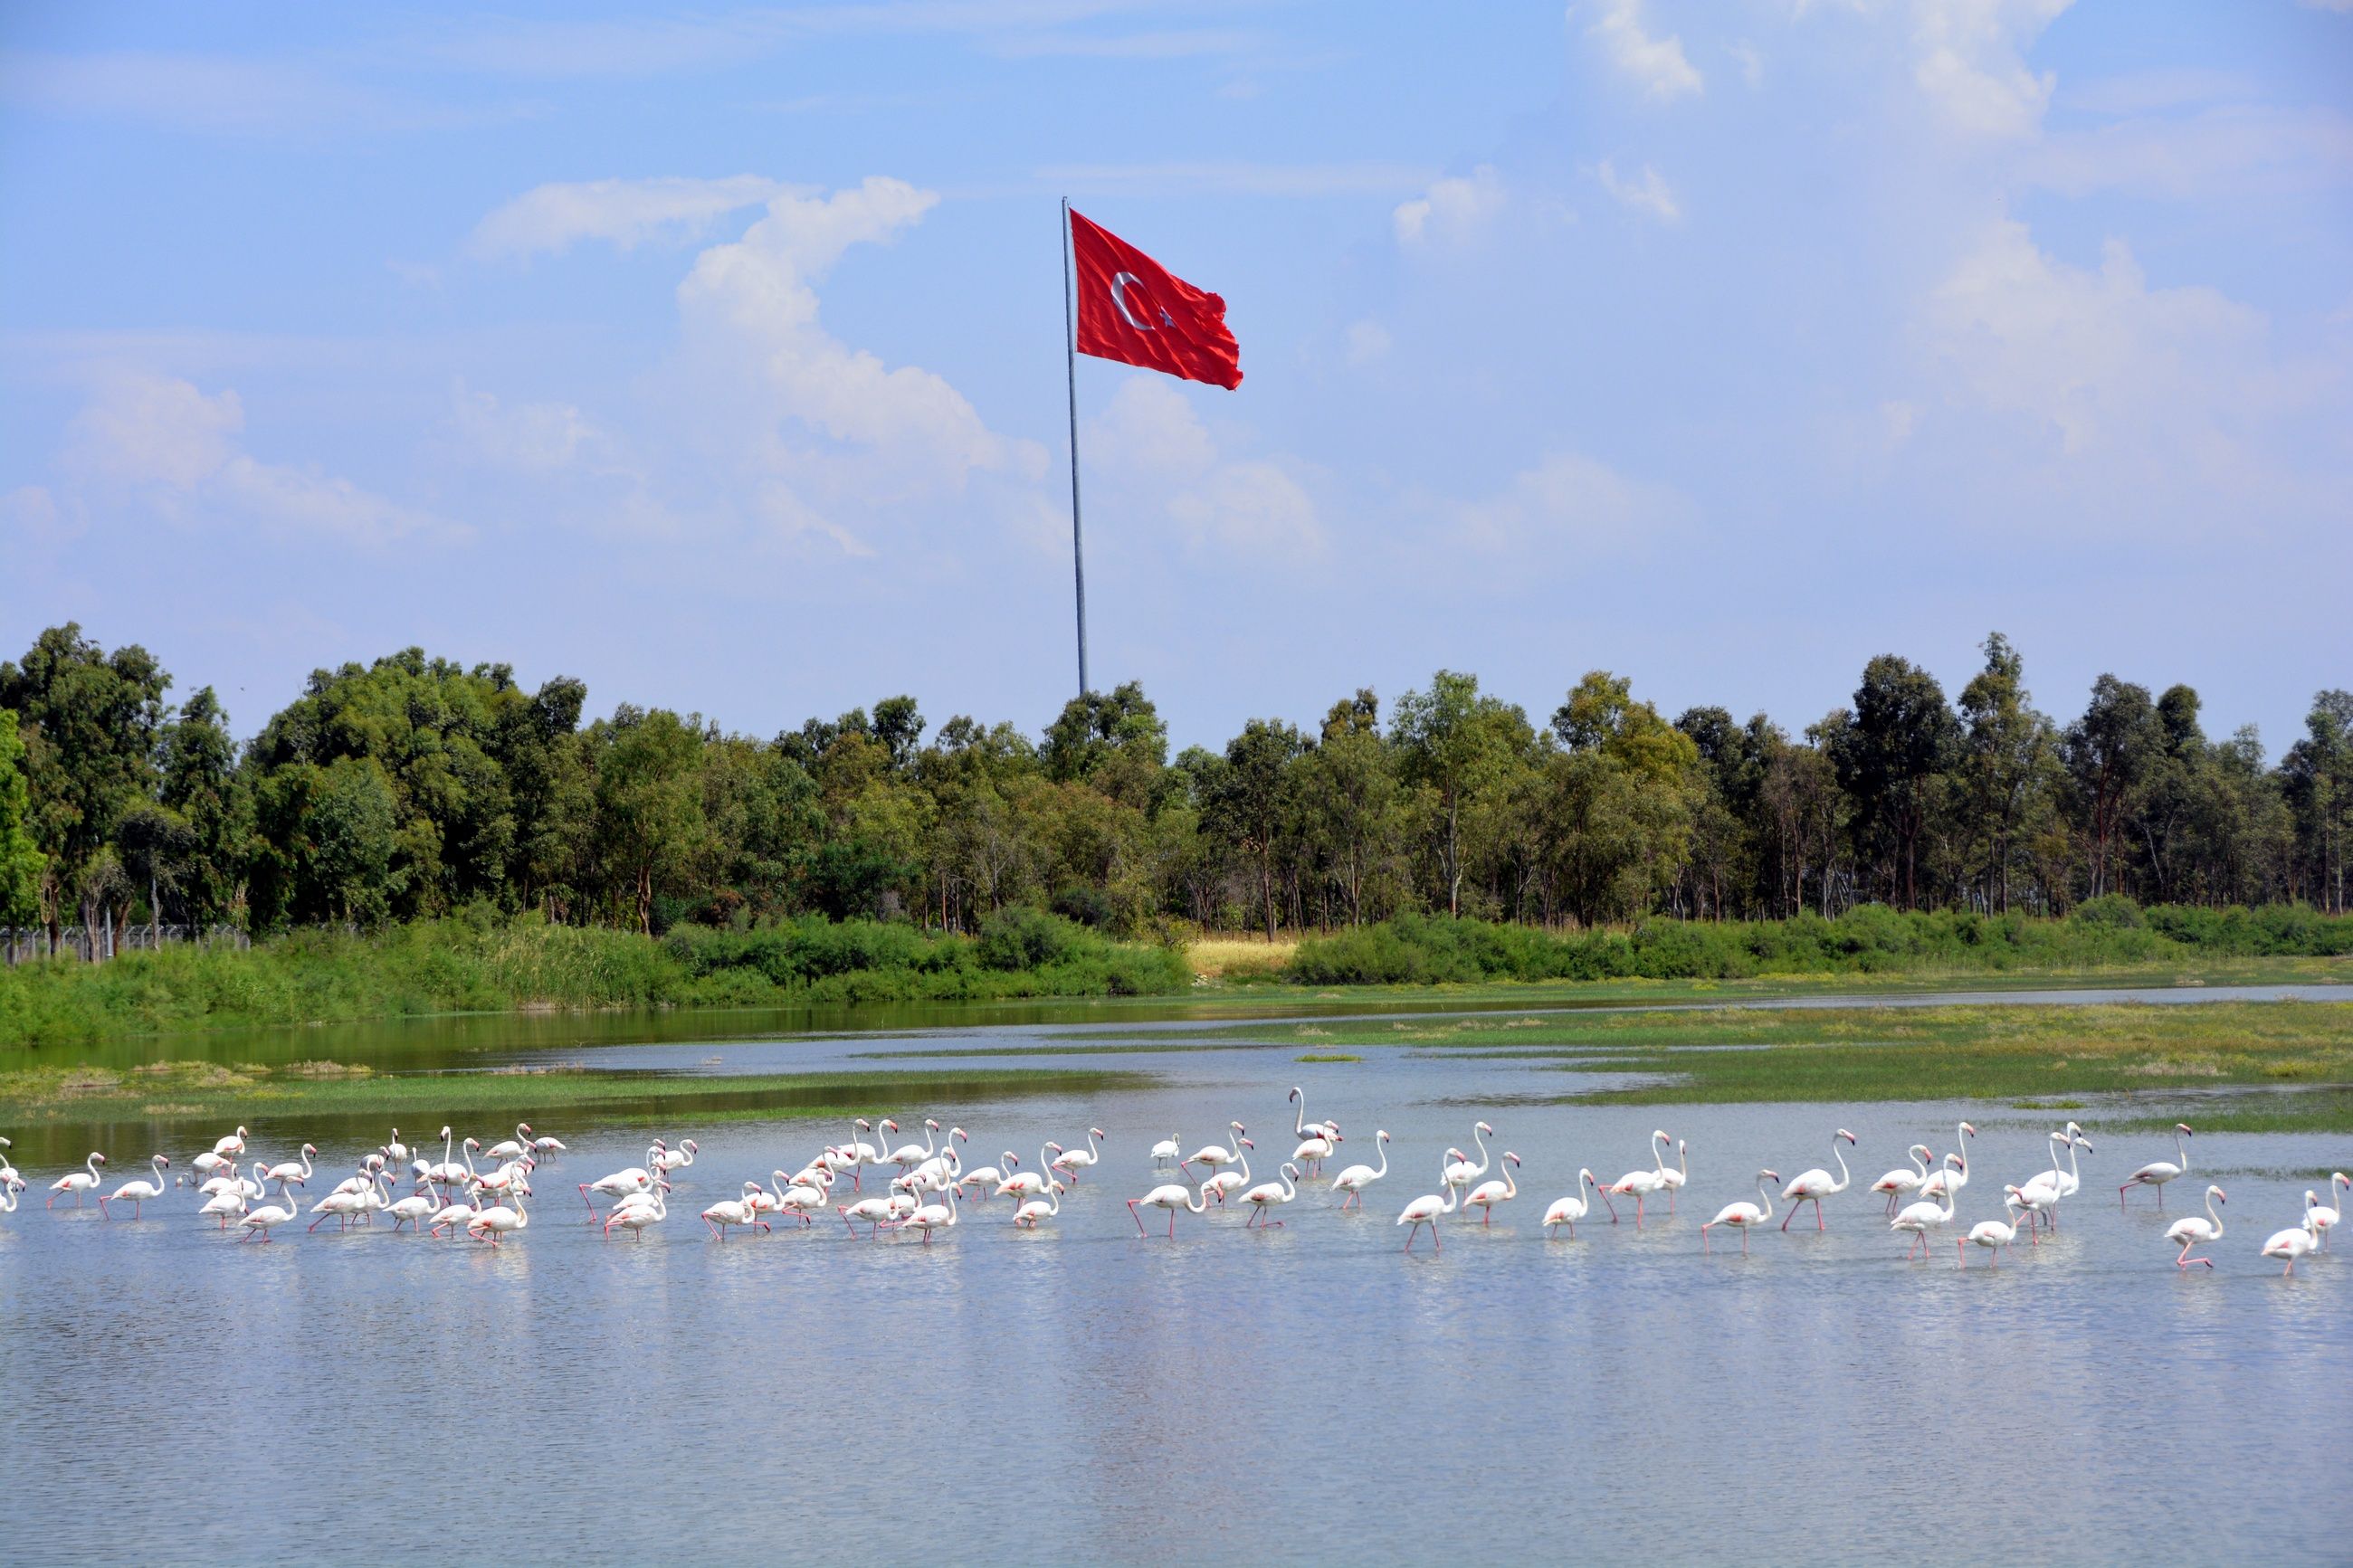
point(929, 1183)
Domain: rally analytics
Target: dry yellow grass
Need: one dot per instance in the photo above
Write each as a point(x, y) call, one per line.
point(1240, 957)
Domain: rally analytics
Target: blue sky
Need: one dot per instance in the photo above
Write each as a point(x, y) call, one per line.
point(715, 356)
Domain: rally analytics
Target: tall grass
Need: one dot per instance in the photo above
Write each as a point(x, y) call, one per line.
point(455, 965)
point(1872, 939)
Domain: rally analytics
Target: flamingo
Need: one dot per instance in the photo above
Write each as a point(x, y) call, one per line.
point(7, 1171)
point(2194, 1231)
point(1226, 1182)
point(138, 1190)
point(1459, 1171)
point(1165, 1153)
point(874, 1210)
point(2322, 1217)
point(548, 1148)
point(1071, 1161)
point(2291, 1245)
point(1357, 1178)
point(1264, 1197)
point(1023, 1186)
point(930, 1218)
point(1745, 1216)
point(1567, 1211)
point(1028, 1216)
point(1955, 1171)
point(1921, 1217)
point(985, 1178)
point(1673, 1181)
point(1899, 1183)
point(207, 1165)
point(297, 1171)
point(495, 1223)
point(1639, 1184)
point(909, 1155)
point(861, 1154)
point(225, 1203)
point(2157, 1172)
point(1992, 1234)
point(340, 1205)
point(232, 1145)
point(2040, 1196)
point(652, 1209)
point(414, 1209)
point(9, 1187)
point(1816, 1185)
point(449, 1172)
point(1425, 1210)
point(1487, 1195)
point(395, 1151)
point(512, 1148)
point(637, 1179)
point(1316, 1141)
point(799, 1196)
point(667, 1159)
point(450, 1217)
point(261, 1220)
point(1212, 1156)
point(732, 1211)
point(77, 1182)
point(1172, 1197)
point(2071, 1180)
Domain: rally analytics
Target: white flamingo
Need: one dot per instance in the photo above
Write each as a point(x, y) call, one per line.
point(1899, 1183)
point(451, 1216)
point(1172, 1197)
point(2291, 1245)
point(547, 1148)
point(1225, 1183)
point(2196, 1231)
point(634, 1217)
point(2157, 1172)
point(803, 1195)
point(911, 1154)
point(2071, 1181)
point(137, 1190)
point(667, 1159)
point(1028, 1216)
point(1924, 1217)
point(1487, 1195)
point(1357, 1178)
point(1992, 1234)
point(226, 1202)
point(415, 1209)
point(1955, 1171)
point(1567, 1211)
point(1673, 1181)
point(1267, 1196)
point(1812, 1186)
point(1212, 1156)
point(1164, 1154)
point(77, 1182)
point(268, 1216)
point(1640, 1185)
point(1743, 1216)
point(495, 1223)
point(1459, 1171)
point(2324, 1218)
point(636, 1179)
point(233, 1145)
point(512, 1148)
point(1316, 1141)
point(1023, 1186)
point(1071, 1161)
point(984, 1179)
point(930, 1218)
point(297, 1171)
point(1426, 1210)
point(874, 1211)
point(733, 1211)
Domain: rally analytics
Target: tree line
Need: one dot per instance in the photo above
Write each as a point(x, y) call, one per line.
point(416, 786)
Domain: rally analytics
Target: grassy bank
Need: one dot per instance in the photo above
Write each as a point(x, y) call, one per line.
point(1873, 940)
point(446, 967)
point(562, 1096)
point(2116, 1057)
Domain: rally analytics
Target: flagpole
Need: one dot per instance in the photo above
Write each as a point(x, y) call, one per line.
point(1071, 363)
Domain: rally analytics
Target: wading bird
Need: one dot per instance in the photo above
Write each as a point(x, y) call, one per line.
point(1812, 1186)
point(77, 1182)
point(1264, 1197)
point(1357, 1178)
point(2157, 1172)
point(1743, 1216)
point(1487, 1195)
point(1171, 1196)
point(1903, 1184)
point(1426, 1210)
point(1924, 1217)
point(137, 1190)
point(2196, 1231)
point(1992, 1234)
point(2291, 1244)
point(1567, 1211)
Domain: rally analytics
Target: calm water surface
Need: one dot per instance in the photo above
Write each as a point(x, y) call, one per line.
point(1089, 1393)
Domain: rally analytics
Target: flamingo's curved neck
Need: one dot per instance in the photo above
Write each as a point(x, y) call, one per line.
point(1765, 1194)
point(2181, 1151)
point(1384, 1161)
point(1840, 1156)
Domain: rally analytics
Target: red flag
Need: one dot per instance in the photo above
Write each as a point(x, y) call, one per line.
point(1135, 311)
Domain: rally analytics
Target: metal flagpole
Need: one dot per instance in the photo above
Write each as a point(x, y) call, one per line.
point(1071, 360)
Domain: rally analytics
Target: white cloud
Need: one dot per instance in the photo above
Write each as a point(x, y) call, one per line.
point(1649, 193)
point(1149, 442)
point(1452, 211)
point(750, 309)
point(2224, 151)
point(532, 436)
point(1972, 64)
point(1365, 342)
point(2152, 404)
point(166, 441)
point(626, 213)
point(1569, 501)
point(1657, 64)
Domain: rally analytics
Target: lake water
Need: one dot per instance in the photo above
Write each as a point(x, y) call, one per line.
point(1090, 1394)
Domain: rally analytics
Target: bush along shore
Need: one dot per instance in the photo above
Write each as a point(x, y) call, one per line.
point(460, 966)
point(483, 966)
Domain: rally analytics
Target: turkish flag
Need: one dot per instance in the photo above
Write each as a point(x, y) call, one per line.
point(1135, 311)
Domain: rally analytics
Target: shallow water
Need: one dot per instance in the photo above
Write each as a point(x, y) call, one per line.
point(1091, 1394)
